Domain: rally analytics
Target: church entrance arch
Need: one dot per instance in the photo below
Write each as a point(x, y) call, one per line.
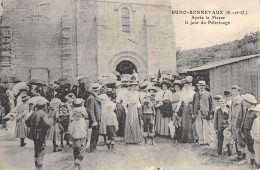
point(125, 62)
point(126, 67)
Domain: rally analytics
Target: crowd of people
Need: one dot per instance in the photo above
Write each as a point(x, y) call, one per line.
point(135, 111)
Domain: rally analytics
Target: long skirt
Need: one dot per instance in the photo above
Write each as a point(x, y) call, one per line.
point(54, 131)
point(133, 132)
point(21, 130)
point(186, 124)
point(161, 126)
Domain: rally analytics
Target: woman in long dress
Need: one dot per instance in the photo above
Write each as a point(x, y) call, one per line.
point(22, 130)
point(133, 132)
point(162, 121)
point(176, 118)
point(186, 100)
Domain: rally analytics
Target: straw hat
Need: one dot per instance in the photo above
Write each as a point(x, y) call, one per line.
point(177, 82)
point(167, 83)
point(133, 82)
point(236, 87)
point(95, 87)
point(249, 98)
point(228, 133)
point(151, 87)
point(79, 101)
point(143, 85)
point(218, 97)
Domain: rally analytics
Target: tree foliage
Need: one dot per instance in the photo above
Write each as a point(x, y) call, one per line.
point(192, 58)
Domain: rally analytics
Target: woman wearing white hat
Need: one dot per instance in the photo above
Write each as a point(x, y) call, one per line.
point(132, 126)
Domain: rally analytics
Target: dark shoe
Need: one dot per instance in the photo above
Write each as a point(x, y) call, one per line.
point(57, 150)
point(23, 144)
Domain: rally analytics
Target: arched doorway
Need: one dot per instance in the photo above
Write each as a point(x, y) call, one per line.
point(125, 67)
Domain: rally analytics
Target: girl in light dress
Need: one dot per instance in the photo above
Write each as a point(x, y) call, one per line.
point(10, 126)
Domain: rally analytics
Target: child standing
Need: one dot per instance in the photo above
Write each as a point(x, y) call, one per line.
point(148, 112)
point(64, 120)
point(111, 123)
point(220, 123)
point(10, 126)
point(102, 130)
point(78, 131)
point(256, 135)
point(53, 133)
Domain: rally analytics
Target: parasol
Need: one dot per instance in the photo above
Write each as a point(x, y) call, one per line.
point(18, 87)
point(33, 100)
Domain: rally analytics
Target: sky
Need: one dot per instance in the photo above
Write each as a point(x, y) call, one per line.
point(201, 36)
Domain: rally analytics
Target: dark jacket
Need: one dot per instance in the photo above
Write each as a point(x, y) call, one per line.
point(38, 124)
point(93, 106)
point(221, 119)
point(245, 119)
point(203, 102)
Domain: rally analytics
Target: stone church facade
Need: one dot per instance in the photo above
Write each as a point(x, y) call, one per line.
point(49, 39)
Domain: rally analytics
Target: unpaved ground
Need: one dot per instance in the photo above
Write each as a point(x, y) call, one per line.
point(164, 155)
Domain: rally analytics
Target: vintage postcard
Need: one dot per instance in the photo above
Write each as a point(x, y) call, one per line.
point(129, 84)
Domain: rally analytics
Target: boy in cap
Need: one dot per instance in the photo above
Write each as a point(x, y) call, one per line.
point(220, 123)
point(39, 125)
point(78, 131)
point(148, 114)
point(256, 135)
point(244, 124)
point(235, 108)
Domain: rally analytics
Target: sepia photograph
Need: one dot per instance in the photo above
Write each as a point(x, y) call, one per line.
point(129, 84)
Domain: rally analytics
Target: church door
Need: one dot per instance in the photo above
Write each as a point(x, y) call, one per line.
point(126, 67)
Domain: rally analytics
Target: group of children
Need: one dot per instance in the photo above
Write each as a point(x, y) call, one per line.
point(237, 129)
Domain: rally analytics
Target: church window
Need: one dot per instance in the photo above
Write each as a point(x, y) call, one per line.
point(125, 20)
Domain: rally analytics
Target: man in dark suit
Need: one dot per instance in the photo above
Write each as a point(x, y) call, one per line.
point(93, 106)
point(203, 112)
point(39, 125)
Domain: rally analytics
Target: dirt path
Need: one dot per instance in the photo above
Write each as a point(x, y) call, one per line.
point(164, 155)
